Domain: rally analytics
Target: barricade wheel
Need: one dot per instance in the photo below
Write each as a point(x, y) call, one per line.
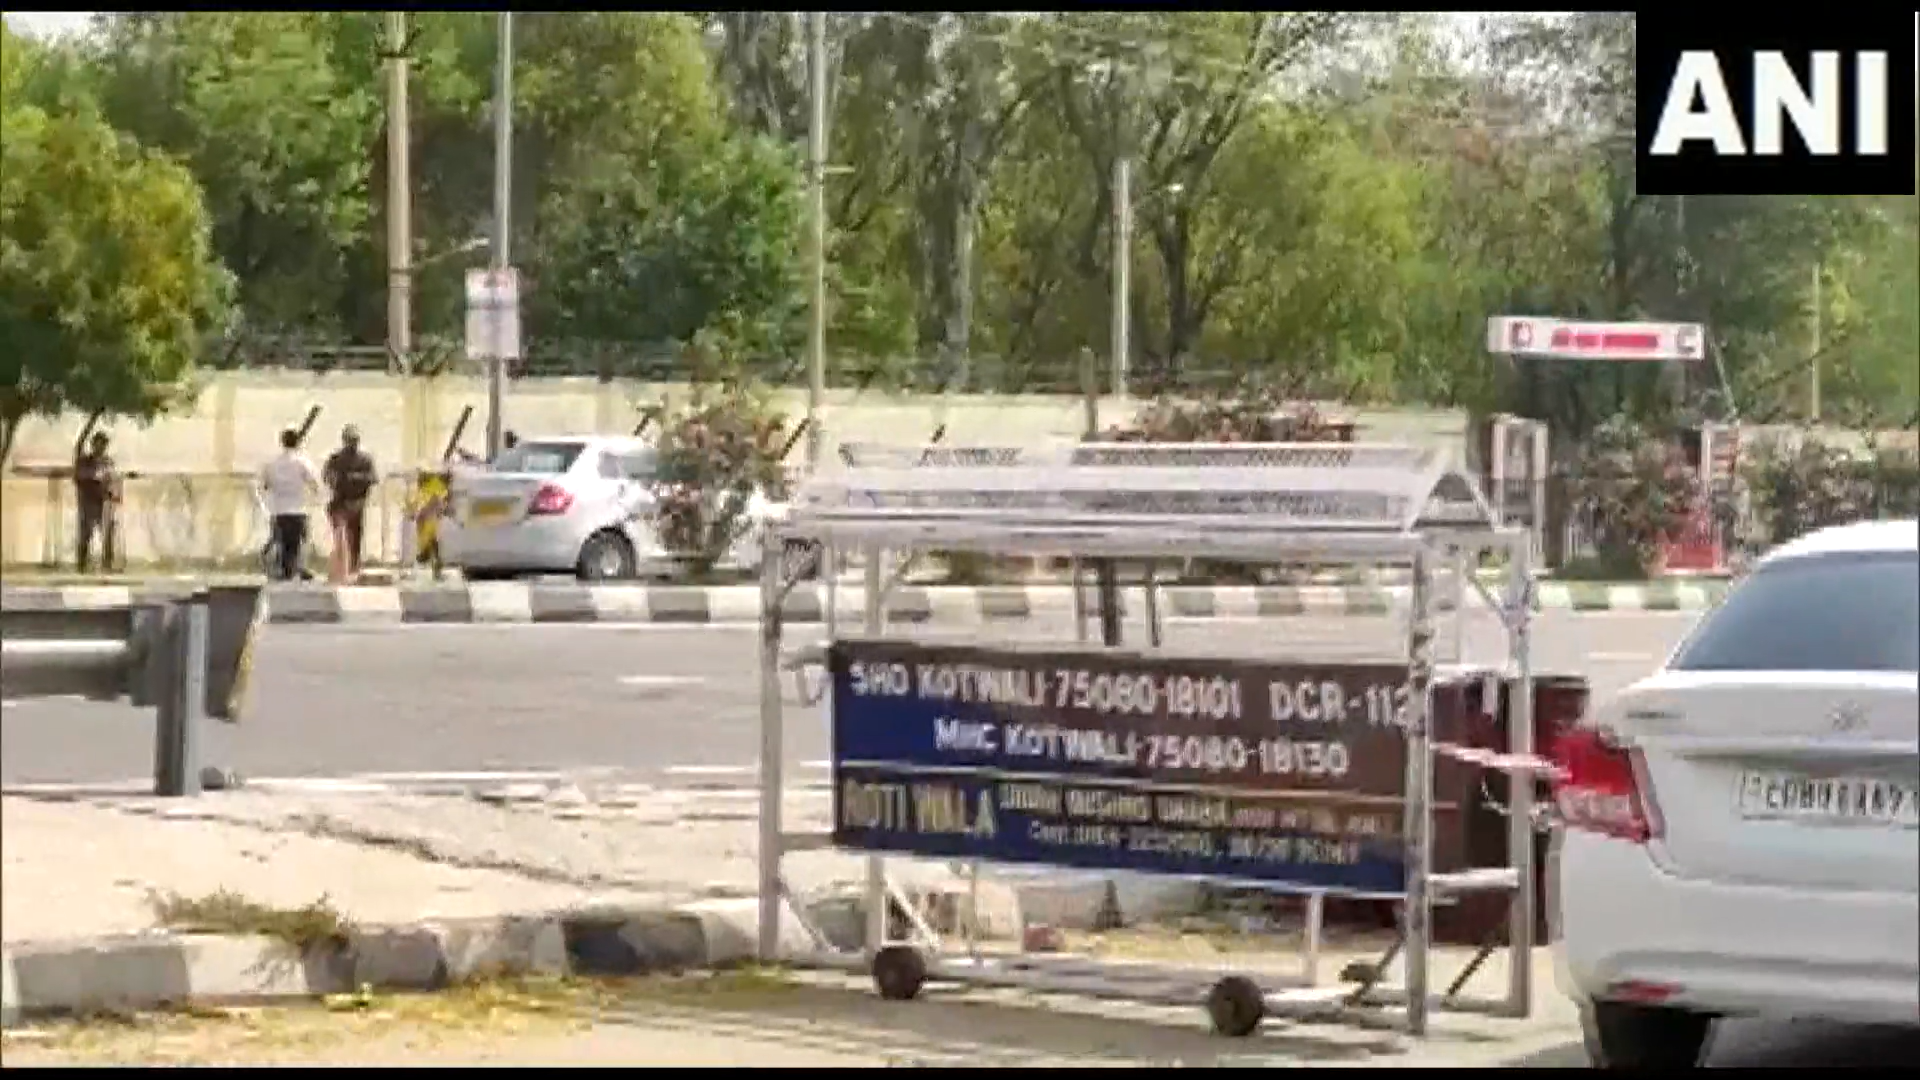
point(899, 971)
point(1236, 1006)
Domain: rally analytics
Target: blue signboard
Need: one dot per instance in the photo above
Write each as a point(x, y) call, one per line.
point(1290, 773)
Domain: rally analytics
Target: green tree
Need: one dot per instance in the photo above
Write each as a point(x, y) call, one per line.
point(108, 284)
point(706, 243)
point(1173, 92)
point(1873, 316)
point(255, 106)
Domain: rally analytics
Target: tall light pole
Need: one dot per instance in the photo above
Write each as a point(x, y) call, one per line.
point(500, 255)
point(1813, 369)
point(816, 233)
point(399, 199)
point(1122, 269)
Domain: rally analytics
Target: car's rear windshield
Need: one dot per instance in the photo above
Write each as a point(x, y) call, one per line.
point(1841, 612)
point(545, 458)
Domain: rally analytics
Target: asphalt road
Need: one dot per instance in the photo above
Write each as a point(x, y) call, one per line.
point(644, 701)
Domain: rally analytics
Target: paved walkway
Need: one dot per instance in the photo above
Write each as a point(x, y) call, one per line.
point(73, 868)
point(70, 870)
point(827, 1022)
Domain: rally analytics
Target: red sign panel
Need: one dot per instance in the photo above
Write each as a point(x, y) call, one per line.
point(1562, 339)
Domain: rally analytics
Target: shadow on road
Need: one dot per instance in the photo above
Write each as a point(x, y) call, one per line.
point(1744, 1044)
point(995, 1029)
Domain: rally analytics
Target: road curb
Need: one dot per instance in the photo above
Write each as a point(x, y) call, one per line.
point(169, 970)
point(543, 603)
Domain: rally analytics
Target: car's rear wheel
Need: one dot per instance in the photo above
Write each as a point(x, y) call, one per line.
point(1623, 1036)
point(606, 556)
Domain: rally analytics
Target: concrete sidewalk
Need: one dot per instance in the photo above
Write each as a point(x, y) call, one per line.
point(425, 893)
point(426, 890)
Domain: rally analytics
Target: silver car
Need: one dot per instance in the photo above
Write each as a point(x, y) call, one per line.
point(575, 505)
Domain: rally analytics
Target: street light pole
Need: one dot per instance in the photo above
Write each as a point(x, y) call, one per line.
point(1122, 270)
point(399, 199)
point(499, 252)
point(1106, 573)
point(1813, 369)
point(816, 233)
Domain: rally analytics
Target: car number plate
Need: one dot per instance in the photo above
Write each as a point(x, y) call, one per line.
point(490, 511)
point(1832, 800)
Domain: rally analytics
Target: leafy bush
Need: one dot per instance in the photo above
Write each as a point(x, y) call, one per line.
point(1257, 414)
point(717, 449)
point(1801, 485)
point(1639, 486)
point(1894, 476)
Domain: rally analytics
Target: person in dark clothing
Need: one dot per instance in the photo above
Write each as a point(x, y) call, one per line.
point(350, 478)
point(508, 440)
point(96, 490)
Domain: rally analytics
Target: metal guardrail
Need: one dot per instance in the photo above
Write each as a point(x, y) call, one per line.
point(186, 657)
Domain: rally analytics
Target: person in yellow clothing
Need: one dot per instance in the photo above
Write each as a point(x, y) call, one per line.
point(430, 506)
point(433, 503)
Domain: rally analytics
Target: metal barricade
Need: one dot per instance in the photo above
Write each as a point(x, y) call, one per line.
point(185, 657)
point(1195, 766)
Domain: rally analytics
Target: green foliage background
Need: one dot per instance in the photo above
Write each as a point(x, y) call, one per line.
point(1336, 201)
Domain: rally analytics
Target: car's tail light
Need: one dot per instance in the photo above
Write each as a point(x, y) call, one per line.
point(550, 499)
point(1601, 788)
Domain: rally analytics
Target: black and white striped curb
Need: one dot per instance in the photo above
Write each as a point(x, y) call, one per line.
point(163, 969)
point(147, 971)
point(511, 602)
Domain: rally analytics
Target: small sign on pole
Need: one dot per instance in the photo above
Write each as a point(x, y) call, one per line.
point(1563, 339)
point(493, 314)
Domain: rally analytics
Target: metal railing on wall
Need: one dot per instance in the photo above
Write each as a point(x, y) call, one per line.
point(179, 518)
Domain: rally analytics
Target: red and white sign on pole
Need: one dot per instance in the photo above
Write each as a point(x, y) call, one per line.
point(493, 314)
point(1562, 339)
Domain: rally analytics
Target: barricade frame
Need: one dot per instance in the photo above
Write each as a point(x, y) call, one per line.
point(909, 502)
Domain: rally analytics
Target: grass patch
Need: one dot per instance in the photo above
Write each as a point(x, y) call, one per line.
point(349, 1026)
point(318, 925)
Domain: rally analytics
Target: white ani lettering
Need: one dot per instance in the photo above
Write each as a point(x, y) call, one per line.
point(1699, 108)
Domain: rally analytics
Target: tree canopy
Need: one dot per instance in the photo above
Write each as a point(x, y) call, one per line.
point(109, 290)
point(1334, 200)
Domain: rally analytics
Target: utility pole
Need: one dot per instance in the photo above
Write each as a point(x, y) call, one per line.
point(399, 199)
point(1106, 571)
point(499, 251)
point(816, 233)
point(1813, 372)
point(1122, 269)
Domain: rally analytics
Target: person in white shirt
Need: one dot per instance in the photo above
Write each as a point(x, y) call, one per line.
point(289, 482)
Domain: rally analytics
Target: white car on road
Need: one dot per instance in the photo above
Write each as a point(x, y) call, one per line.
point(1740, 830)
point(581, 505)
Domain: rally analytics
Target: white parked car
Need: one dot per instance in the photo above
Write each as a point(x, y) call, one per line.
point(1740, 830)
point(581, 505)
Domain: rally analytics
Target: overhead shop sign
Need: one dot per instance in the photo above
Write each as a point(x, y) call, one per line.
point(1562, 339)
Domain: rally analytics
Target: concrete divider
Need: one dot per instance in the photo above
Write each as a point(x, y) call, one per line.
point(565, 602)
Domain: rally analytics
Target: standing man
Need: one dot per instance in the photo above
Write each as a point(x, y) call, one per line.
point(96, 490)
point(350, 479)
point(287, 482)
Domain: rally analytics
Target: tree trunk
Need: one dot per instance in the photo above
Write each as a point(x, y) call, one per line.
point(9, 429)
point(1183, 318)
